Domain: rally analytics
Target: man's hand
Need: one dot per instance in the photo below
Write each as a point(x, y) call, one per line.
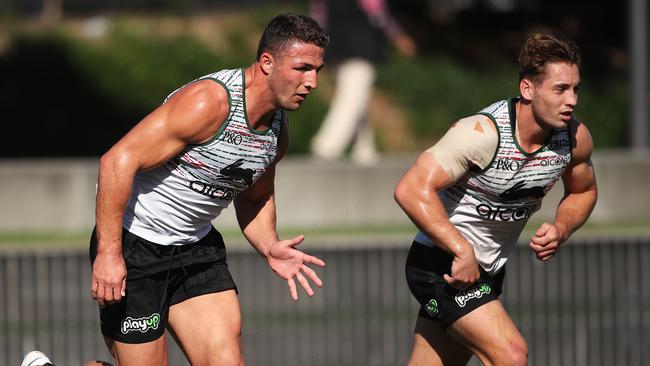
point(464, 270)
point(546, 241)
point(287, 262)
point(109, 279)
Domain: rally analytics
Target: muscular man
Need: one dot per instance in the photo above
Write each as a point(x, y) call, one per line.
point(471, 195)
point(157, 261)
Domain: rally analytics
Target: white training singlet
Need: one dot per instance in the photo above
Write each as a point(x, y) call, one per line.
point(490, 207)
point(175, 203)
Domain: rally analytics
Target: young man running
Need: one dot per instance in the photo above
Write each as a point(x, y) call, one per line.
point(471, 195)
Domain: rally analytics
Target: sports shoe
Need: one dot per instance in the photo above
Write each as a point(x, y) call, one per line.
point(36, 358)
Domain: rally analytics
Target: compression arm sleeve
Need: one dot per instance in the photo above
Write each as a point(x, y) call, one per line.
point(470, 141)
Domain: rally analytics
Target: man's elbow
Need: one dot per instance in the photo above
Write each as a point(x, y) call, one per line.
point(400, 195)
point(594, 198)
point(116, 161)
point(107, 161)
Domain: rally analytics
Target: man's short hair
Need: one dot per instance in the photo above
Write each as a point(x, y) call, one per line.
point(540, 49)
point(284, 29)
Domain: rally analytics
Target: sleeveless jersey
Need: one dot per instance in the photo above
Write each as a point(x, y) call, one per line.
point(490, 207)
point(175, 203)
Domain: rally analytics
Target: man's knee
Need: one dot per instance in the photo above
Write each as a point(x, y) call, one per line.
point(518, 353)
point(226, 351)
point(232, 360)
point(228, 356)
point(512, 353)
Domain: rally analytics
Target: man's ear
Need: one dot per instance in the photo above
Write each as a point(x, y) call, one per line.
point(267, 62)
point(526, 89)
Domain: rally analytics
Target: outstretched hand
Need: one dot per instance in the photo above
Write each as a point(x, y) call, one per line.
point(288, 262)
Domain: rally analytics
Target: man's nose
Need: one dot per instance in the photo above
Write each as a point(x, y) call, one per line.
point(311, 80)
point(572, 98)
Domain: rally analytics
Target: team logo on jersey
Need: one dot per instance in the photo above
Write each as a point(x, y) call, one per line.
point(235, 173)
point(474, 293)
point(233, 179)
point(504, 213)
point(231, 138)
point(554, 161)
point(431, 307)
point(141, 325)
point(508, 165)
point(212, 191)
point(519, 191)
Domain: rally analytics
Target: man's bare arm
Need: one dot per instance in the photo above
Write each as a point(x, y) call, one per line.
point(417, 194)
point(471, 141)
point(192, 115)
point(580, 195)
point(256, 214)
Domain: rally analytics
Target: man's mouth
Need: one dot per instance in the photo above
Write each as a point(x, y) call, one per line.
point(566, 116)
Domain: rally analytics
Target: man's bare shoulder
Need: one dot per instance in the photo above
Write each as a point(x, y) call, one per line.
point(475, 132)
point(201, 95)
point(582, 141)
point(470, 141)
point(199, 109)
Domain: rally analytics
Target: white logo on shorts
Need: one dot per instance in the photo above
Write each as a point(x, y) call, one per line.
point(141, 325)
point(475, 293)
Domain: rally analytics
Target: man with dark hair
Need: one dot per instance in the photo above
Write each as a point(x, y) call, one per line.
point(281, 31)
point(157, 262)
point(471, 195)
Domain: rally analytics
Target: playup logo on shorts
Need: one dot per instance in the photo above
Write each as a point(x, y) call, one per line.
point(141, 325)
point(431, 307)
point(474, 293)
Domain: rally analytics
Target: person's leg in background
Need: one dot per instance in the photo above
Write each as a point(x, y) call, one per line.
point(364, 151)
point(346, 115)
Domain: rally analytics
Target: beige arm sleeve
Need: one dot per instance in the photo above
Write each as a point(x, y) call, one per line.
point(470, 141)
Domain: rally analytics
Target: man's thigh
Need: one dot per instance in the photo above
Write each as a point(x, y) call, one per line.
point(138, 354)
point(486, 330)
point(432, 346)
point(208, 328)
point(425, 270)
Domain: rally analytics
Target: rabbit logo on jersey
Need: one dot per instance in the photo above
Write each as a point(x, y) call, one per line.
point(141, 325)
point(474, 293)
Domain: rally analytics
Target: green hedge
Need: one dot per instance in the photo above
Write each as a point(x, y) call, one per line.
point(89, 93)
point(436, 91)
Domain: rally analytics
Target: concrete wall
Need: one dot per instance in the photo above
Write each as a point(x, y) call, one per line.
point(59, 194)
point(47, 194)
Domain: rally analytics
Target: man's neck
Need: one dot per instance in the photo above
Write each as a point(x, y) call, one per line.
point(260, 105)
point(530, 134)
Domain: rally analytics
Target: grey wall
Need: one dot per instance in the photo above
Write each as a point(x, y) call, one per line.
point(59, 194)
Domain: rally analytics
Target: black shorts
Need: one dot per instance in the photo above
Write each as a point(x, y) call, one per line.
point(425, 267)
point(159, 276)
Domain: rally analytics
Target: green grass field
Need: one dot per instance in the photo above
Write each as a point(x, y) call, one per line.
point(316, 236)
